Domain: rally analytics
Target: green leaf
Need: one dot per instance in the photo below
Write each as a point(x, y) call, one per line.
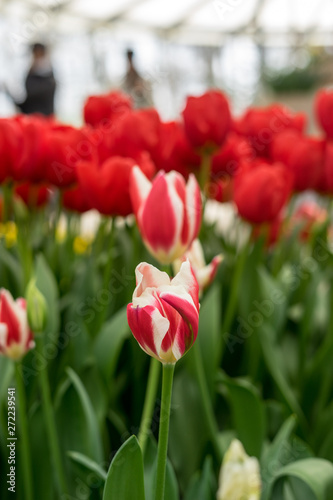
point(274, 363)
point(11, 268)
point(46, 283)
point(42, 472)
point(77, 421)
point(87, 463)
point(125, 478)
point(274, 299)
point(312, 477)
point(91, 420)
point(248, 413)
point(209, 335)
point(109, 342)
point(202, 486)
point(150, 468)
point(188, 432)
point(6, 375)
point(274, 457)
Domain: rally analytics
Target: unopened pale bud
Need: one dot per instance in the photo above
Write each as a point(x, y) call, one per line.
point(36, 308)
point(239, 475)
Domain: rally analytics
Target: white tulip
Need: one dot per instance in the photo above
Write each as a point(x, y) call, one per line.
point(239, 475)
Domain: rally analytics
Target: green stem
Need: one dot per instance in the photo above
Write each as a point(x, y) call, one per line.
point(51, 424)
point(24, 249)
point(163, 436)
point(206, 402)
point(149, 404)
point(110, 240)
point(7, 201)
point(24, 436)
point(232, 303)
point(204, 170)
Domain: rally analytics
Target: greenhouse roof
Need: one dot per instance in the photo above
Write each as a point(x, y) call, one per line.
point(186, 21)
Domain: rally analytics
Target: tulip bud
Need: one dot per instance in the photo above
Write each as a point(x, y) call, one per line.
point(168, 212)
point(239, 475)
point(15, 336)
point(164, 313)
point(261, 190)
point(36, 308)
point(203, 273)
point(207, 119)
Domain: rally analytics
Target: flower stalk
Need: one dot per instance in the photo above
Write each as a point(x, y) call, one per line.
point(50, 424)
point(163, 436)
point(24, 435)
point(149, 404)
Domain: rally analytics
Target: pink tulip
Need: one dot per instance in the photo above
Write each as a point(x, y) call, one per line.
point(204, 273)
point(164, 314)
point(15, 335)
point(168, 212)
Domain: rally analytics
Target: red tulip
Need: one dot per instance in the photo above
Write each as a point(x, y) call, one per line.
point(227, 159)
point(65, 147)
point(224, 166)
point(99, 109)
point(30, 162)
point(164, 313)
point(220, 189)
point(174, 151)
point(207, 119)
point(260, 125)
point(270, 232)
point(106, 186)
point(10, 147)
point(326, 182)
point(136, 131)
point(304, 156)
point(74, 199)
point(168, 212)
point(33, 195)
point(324, 111)
point(15, 336)
point(261, 190)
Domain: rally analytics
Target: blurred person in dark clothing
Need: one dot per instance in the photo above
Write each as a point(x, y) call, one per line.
point(135, 85)
point(40, 84)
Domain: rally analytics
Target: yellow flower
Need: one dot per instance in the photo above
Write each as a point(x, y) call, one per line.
point(8, 231)
point(81, 245)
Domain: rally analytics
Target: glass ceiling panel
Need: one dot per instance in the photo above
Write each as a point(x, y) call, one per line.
point(161, 13)
point(198, 21)
point(224, 15)
point(100, 9)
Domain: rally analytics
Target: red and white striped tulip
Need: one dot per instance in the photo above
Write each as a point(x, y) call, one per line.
point(204, 273)
point(168, 212)
point(15, 335)
point(164, 313)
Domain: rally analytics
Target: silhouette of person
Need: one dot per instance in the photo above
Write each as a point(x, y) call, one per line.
point(136, 86)
point(40, 84)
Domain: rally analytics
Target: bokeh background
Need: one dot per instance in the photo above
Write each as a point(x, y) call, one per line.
point(258, 51)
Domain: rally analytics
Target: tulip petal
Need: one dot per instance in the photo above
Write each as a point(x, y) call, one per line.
point(193, 207)
point(182, 302)
point(140, 187)
point(148, 276)
point(162, 216)
point(180, 187)
point(3, 337)
point(186, 278)
point(179, 337)
point(9, 316)
point(148, 327)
